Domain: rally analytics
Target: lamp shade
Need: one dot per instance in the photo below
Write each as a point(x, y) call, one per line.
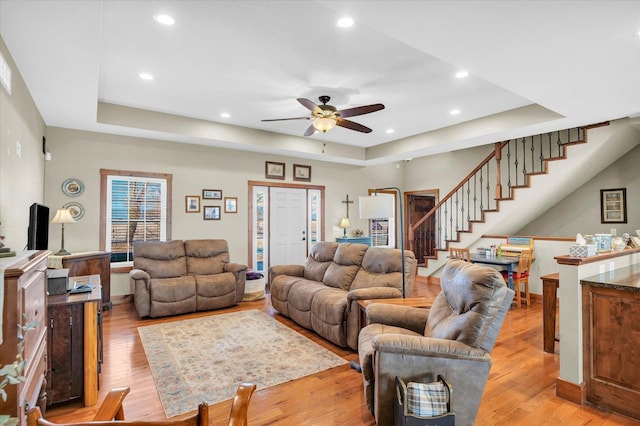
point(324, 124)
point(377, 206)
point(63, 216)
point(344, 223)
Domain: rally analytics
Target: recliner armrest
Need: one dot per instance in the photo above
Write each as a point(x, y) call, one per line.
point(139, 274)
point(411, 318)
point(291, 270)
point(235, 267)
point(369, 293)
point(428, 347)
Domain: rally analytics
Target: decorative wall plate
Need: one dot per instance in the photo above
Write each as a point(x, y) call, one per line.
point(76, 210)
point(72, 187)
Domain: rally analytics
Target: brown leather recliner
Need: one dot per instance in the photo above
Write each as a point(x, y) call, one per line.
point(454, 339)
point(177, 277)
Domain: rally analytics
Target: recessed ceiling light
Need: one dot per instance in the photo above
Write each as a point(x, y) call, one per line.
point(389, 131)
point(163, 19)
point(462, 74)
point(345, 22)
point(146, 76)
point(454, 112)
point(225, 115)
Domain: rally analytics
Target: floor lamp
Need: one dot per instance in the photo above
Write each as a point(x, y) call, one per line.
point(375, 207)
point(63, 216)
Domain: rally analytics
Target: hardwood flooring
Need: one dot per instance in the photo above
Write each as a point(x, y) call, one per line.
point(520, 390)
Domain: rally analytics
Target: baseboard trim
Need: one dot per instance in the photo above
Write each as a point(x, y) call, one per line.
point(573, 392)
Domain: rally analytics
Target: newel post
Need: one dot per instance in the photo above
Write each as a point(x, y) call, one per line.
point(498, 151)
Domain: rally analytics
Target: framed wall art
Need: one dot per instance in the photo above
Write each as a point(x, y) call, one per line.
point(231, 204)
point(613, 205)
point(192, 204)
point(72, 187)
point(273, 170)
point(212, 194)
point(211, 213)
point(301, 172)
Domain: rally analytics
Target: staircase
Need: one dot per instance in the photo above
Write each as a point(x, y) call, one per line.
point(521, 179)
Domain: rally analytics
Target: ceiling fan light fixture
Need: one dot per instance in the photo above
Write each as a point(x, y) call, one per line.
point(324, 124)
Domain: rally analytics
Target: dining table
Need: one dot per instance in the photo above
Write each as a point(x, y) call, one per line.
point(511, 262)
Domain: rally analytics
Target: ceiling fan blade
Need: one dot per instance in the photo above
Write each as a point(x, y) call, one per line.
point(285, 119)
point(366, 109)
point(311, 106)
point(348, 124)
point(311, 130)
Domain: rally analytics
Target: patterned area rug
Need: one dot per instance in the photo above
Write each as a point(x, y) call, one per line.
point(204, 359)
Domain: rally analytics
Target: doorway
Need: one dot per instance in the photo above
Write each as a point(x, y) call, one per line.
point(285, 220)
point(423, 238)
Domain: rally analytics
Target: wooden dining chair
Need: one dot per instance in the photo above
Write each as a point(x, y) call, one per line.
point(459, 253)
point(111, 409)
point(521, 276)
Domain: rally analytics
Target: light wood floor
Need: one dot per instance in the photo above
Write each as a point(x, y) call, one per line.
point(521, 387)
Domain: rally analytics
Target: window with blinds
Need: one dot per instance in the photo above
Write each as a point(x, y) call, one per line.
point(135, 209)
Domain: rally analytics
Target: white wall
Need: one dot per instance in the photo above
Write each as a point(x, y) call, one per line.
point(21, 176)
point(81, 155)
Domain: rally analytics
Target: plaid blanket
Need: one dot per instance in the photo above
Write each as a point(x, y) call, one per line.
point(427, 399)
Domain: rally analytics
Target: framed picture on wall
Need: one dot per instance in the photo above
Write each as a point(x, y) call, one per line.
point(301, 172)
point(273, 170)
point(211, 213)
point(231, 204)
point(192, 204)
point(613, 205)
point(212, 194)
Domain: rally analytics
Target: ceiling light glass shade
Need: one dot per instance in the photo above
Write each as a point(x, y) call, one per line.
point(376, 206)
point(344, 223)
point(63, 216)
point(324, 124)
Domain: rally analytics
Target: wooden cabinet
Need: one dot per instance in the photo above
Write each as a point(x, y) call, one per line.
point(98, 263)
point(24, 299)
point(75, 345)
point(611, 338)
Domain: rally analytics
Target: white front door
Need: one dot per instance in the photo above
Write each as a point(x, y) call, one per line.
point(288, 226)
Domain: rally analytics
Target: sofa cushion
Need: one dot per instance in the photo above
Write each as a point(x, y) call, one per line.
point(206, 257)
point(320, 257)
point(345, 265)
point(471, 296)
point(300, 300)
point(172, 296)
point(215, 285)
point(160, 259)
point(329, 315)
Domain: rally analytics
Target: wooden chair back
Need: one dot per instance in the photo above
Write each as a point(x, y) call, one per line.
point(459, 253)
point(522, 276)
point(111, 409)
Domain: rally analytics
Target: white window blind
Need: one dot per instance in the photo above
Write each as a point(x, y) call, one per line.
point(136, 210)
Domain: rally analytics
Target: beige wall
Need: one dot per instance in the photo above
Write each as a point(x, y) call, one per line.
point(21, 176)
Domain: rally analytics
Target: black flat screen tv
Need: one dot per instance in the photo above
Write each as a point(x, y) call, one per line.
point(38, 231)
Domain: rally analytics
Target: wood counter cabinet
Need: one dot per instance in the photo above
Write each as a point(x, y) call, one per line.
point(90, 263)
point(611, 338)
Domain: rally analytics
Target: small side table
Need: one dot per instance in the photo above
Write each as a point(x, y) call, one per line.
point(416, 302)
point(550, 284)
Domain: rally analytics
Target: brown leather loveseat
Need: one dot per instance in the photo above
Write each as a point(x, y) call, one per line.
point(322, 294)
point(177, 277)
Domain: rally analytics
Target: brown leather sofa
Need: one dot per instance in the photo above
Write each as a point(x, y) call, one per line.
point(322, 294)
point(454, 338)
point(177, 277)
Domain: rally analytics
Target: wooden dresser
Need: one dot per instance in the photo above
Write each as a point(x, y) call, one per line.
point(24, 295)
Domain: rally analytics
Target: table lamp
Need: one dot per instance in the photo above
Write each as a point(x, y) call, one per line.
point(63, 216)
point(344, 224)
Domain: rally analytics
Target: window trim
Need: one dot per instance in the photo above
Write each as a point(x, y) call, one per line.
point(104, 174)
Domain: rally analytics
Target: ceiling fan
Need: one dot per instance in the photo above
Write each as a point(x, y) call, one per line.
point(325, 117)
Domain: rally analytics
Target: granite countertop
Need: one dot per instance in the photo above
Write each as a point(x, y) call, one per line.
point(626, 279)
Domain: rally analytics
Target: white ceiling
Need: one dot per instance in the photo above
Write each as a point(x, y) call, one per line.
point(534, 67)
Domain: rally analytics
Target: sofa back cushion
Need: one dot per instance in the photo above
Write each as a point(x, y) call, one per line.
point(160, 259)
point(320, 257)
point(345, 265)
point(381, 267)
point(470, 305)
point(206, 257)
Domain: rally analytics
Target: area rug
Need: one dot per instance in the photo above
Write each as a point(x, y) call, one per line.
point(204, 359)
